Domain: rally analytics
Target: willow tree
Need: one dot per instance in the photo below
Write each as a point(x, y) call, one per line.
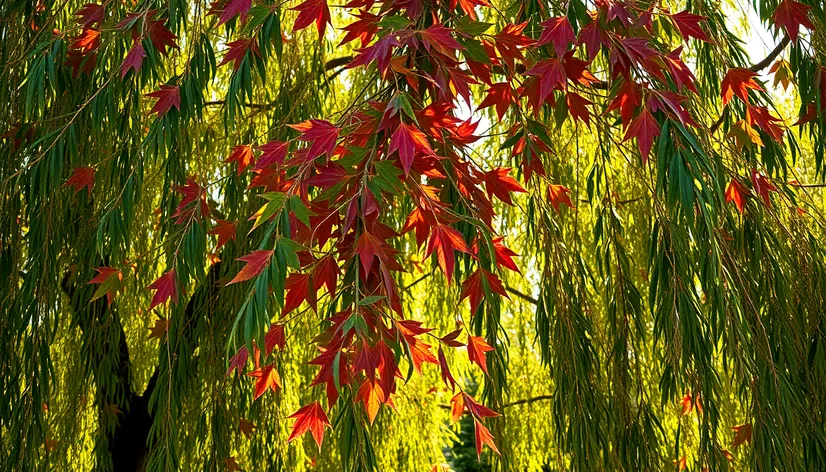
point(590, 235)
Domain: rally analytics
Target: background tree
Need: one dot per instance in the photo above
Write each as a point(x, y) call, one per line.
point(232, 230)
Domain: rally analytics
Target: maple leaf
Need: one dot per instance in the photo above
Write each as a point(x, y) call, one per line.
point(743, 134)
point(243, 155)
point(234, 8)
point(238, 361)
point(274, 338)
point(166, 287)
point(268, 379)
point(372, 395)
point(645, 128)
point(551, 75)
point(742, 435)
point(225, 230)
point(310, 418)
point(558, 30)
point(737, 193)
point(760, 116)
point(498, 182)
point(504, 255)
point(681, 463)
point(593, 36)
point(457, 406)
point(782, 73)
point(110, 281)
point(256, 261)
point(439, 38)
point(737, 82)
point(407, 140)
point(559, 194)
point(443, 241)
point(364, 28)
point(159, 330)
point(312, 10)
point(87, 41)
point(477, 285)
point(90, 14)
point(689, 25)
point(578, 106)
point(483, 438)
point(299, 288)
point(447, 377)
point(790, 14)
point(134, 59)
point(168, 96)
point(680, 73)
point(510, 40)
point(81, 177)
point(272, 152)
point(501, 95)
point(232, 464)
point(160, 36)
point(762, 186)
point(321, 133)
point(476, 349)
point(238, 50)
point(246, 427)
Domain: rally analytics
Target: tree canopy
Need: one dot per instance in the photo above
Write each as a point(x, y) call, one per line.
point(370, 235)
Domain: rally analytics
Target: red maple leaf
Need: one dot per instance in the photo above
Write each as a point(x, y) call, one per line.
point(90, 14)
point(134, 59)
point(166, 287)
point(256, 261)
point(790, 15)
point(477, 285)
point(689, 25)
point(501, 95)
point(274, 152)
point(364, 28)
point(737, 193)
point(439, 38)
point(87, 41)
point(407, 140)
point(110, 281)
point(645, 128)
point(238, 50)
point(310, 418)
point(504, 255)
point(551, 75)
point(742, 435)
point(268, 379)
point(443, 241)
point(762, 186)
point(558, 31)
point(498, 182)
point(680, 73)
point(372, 395)
point(476, 349)
point(243, 155)
point(483, 437)
point(321, 134)
point(312, 10)
point(239, 360)
point(627, 101)
point(578, 106)
point(274, 338)
point(168, 96)
point(299, 288)
point(234, 8)
point(225, 230)
point(160, 36)
point(593, 36)
point(510, 40)
point(737, 82)
point(81, 177)
point(559, 194)
point(762, 117)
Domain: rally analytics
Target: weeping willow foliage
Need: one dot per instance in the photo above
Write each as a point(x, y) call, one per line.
point(651, 322)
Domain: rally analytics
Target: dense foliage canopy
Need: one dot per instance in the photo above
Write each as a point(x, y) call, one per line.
point(366, 235)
